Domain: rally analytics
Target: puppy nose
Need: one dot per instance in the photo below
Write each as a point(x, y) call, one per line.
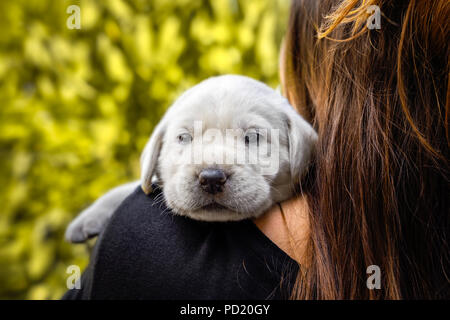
point(212, 180)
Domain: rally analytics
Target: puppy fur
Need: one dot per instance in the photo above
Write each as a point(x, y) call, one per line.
point(220, 103)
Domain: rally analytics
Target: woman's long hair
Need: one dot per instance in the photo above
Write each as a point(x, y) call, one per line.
point(379, 99)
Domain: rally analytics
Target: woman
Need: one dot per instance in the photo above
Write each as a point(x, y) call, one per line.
point(378, 193)
point(380, 102)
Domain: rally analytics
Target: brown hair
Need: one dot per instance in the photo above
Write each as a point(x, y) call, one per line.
point(380, 102)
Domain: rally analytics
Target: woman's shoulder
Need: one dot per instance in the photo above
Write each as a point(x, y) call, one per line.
point(148, 252)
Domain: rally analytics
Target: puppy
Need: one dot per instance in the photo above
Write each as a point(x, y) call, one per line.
point(226, 150)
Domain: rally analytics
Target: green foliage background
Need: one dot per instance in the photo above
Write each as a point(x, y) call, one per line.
point(77, 106)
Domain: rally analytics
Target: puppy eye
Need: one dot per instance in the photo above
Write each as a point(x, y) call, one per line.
point(251, 138)
point(184, 138)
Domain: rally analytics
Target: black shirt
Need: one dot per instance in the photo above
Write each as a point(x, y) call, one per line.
point(147, 252)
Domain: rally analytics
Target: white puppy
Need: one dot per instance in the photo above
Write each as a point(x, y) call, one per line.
point(227, 149)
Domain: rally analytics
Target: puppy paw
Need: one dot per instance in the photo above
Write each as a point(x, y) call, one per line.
point(81, 230)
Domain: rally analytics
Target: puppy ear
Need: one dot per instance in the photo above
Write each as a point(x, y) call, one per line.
point(149, 157)
point(302, 143)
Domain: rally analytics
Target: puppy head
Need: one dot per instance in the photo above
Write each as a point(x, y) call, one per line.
point(227, 149)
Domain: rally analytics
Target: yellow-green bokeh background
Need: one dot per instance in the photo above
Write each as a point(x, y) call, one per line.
point(77, 106)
